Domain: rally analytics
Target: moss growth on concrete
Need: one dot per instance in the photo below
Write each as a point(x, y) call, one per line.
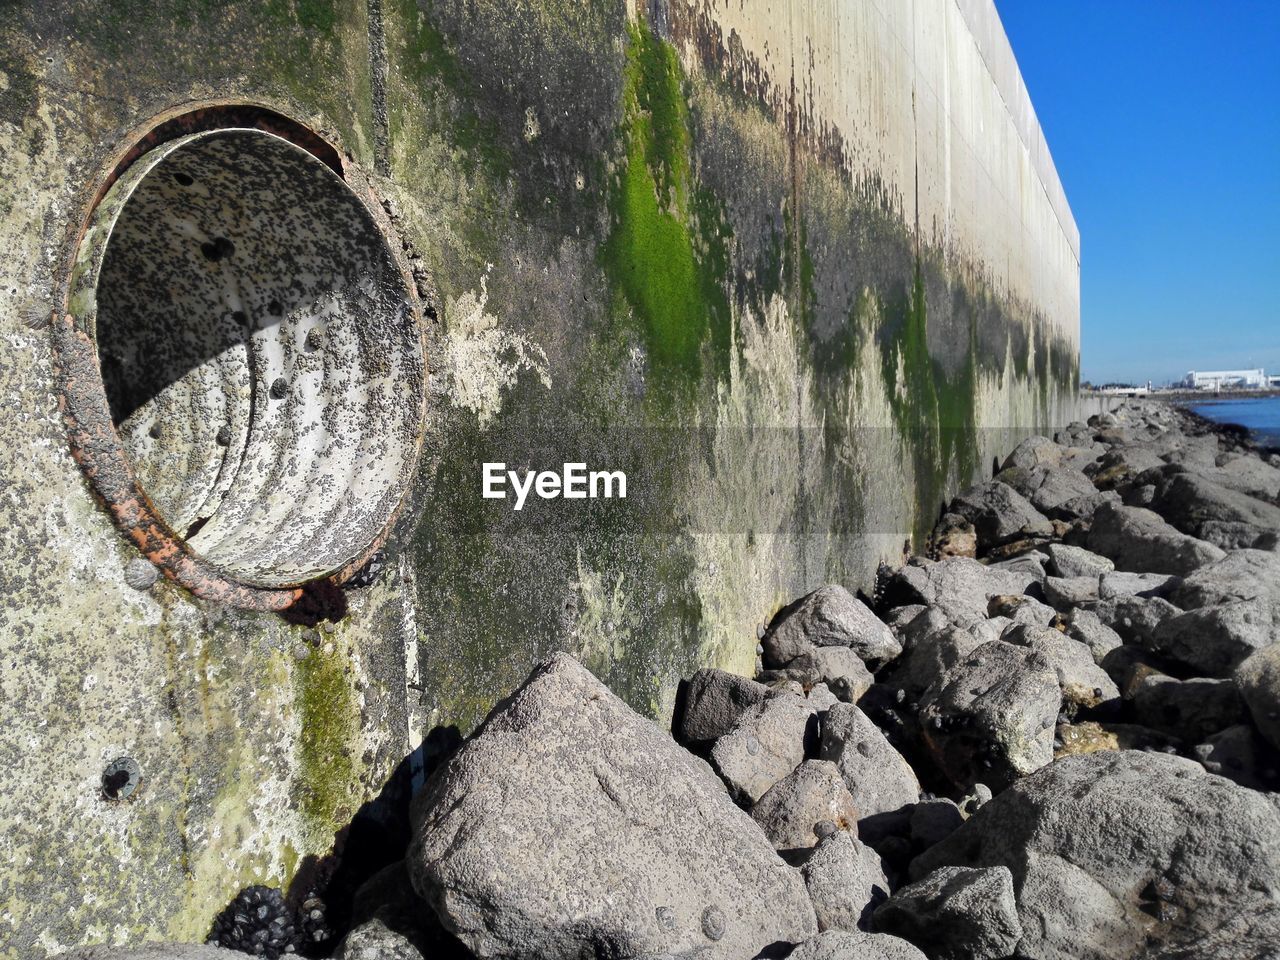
point(328, 793)
point(935, 411)
point(668, 270)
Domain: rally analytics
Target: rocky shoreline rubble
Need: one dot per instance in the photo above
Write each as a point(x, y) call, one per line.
point(1055, 736)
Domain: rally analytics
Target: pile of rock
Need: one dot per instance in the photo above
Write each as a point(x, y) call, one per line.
point(1057, 736)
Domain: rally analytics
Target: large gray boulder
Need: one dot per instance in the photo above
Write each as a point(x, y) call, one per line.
point(1086, 838)
point(1141, 541)
point(1049, 488)
point(1121, 583)
point(766, 744)
point(1240, 575)
point(990, 718)
point(1252, 932)
point(956, 913)
point(1216, 640)
point(1086, 627)
point(959, 588)
point(850, 945)
point(829, 617)
point(846, 882)
point(840, 668)
point(569, 826)
point(999, 513)
point(1084, 684)
point(1065, 593)
point(1239, 753)
point(1135, 619)
point(1067, 561)
point(1258, 680)
point(879, 778)
point(936, 653)
point(1190, 710)
point(1197, 505)
point(711, 702)
point(1035, 451)
point(789, 812)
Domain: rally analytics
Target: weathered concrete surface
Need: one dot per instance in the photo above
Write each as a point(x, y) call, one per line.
point(800, 290)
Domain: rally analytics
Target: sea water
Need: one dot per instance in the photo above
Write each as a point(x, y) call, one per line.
point(1260, 414)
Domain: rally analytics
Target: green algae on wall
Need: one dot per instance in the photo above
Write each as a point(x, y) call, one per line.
point(935, 411)
point(329, 791)
point(668, 273)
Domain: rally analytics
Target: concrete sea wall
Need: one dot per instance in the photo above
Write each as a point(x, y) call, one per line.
point(800, 269)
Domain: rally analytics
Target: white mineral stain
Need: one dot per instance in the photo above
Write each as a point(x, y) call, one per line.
point(485, 360)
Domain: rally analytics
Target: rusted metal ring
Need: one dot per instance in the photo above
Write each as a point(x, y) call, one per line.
point(306, 491)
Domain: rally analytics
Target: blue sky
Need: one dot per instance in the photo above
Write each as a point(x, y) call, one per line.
point(1164, 122)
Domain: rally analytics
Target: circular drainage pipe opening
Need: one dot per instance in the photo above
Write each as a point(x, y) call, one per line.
point(260, 361)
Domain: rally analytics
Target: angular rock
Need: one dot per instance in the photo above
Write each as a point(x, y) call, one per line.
point(710, 703)
point(990, 718)
point(1130, 666)
point(1058, 488)
point(845, 882)
point(935, 654)
point(1190, 710)
point(1086, 837)
point(1141, 541)
point(876, 774)
point(1067, 561)
point(1252, 932)
point(821, 698)
point(568, 826)
point(898, 618)
point(1215, 640)
point(840, 668)
point(956, 913)
point(1064, 593)
point(1082, 507)
point(829, 617)
point(1034, 452)
point(812, 793)
point(1190, 502)
point(1027, 564)
point(847, 945)
point(1234, 535)
point(932, 821)
point(1248, 473)
point(1021, 609)
point(1087, 628)
point(1240, 575)
point(767, 743)
point(1258, 680)
point(958, 587)
point(1124, 584)
point(1135, 619)
point(999, 513)
point(1084, 684)
point(1239, 753)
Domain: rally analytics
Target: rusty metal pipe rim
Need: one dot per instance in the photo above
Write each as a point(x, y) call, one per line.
point(295, 413)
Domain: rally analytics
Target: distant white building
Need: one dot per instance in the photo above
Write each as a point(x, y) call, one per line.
point(1224, 379)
